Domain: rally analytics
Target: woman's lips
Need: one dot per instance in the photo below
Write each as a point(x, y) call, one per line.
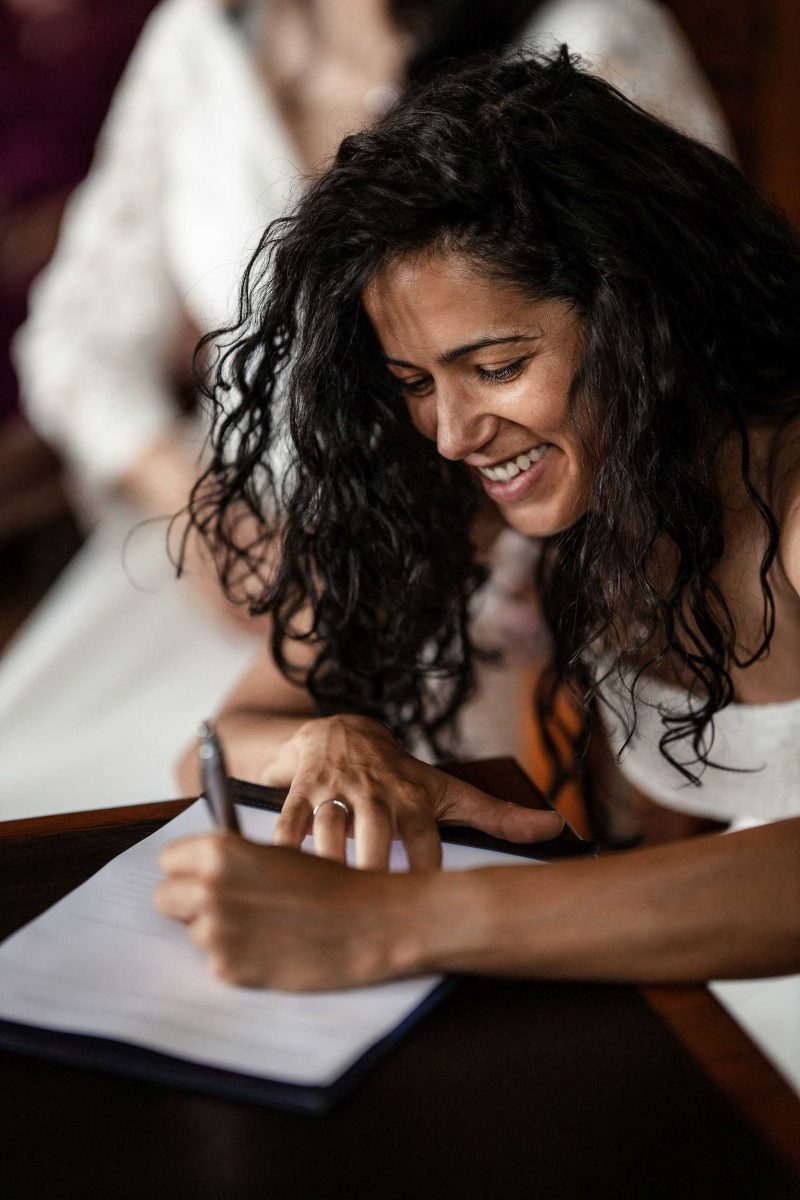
point(522, 486)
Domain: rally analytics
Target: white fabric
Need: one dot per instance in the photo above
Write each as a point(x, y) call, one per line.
point(761, 740)
point(97, 719)
point(639, 47)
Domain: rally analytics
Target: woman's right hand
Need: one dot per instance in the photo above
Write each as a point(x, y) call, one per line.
point(389, 793)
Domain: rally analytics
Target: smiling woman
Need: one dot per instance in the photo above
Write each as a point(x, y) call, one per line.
point(498, 402)
point(518, 295)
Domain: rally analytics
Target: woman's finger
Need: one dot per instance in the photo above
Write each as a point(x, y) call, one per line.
point(373, 833)
point(293, 822)
point(206, 855)
point(181, 899)
point(329, 828)
point(467, 805)
point(421, 839)
point(205, 931)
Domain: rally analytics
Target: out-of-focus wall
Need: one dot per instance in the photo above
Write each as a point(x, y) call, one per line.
point(750, 50)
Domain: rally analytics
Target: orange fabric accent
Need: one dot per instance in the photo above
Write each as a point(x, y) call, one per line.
point(536, 760)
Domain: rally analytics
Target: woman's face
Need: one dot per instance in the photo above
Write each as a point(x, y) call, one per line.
point(486, 373)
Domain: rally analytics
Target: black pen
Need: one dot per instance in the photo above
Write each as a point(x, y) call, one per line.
point(217, 789)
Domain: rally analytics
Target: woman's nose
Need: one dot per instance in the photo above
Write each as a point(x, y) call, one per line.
point(461, 428)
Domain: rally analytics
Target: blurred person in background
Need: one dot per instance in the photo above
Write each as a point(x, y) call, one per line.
point(220, 114)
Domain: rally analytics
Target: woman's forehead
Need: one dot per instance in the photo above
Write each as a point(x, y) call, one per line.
point(431, 303)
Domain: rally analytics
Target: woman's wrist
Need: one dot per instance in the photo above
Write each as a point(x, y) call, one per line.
point(280, 741)
point(397, 941)
point(313, 727)
point(493, 920)
point(432, 922)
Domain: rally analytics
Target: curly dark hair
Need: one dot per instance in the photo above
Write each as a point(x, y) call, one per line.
point(687, 285)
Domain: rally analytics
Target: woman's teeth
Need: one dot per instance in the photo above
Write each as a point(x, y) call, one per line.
point(514, 466)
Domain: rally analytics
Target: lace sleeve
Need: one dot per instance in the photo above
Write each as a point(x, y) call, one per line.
point(94, 355)
point(639, 47)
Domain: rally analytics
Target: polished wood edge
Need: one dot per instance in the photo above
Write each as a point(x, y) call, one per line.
point(734, 1063)
point(96, 818)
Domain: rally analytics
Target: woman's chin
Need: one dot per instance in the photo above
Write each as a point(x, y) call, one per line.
point(541, 520)
point(532, 526)
point(542, 501)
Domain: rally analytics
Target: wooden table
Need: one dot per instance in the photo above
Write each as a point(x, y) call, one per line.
point(508, 1089)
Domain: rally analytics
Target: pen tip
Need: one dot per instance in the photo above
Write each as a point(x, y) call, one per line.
point(205, 730)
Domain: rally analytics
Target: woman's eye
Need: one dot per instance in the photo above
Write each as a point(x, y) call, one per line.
point(415, 387)
point(501, 374)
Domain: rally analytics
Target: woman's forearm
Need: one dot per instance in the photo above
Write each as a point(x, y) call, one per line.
point(162, 477)
point(720, 906)
point(259, 745)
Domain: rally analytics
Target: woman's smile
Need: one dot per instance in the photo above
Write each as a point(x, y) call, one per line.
point(516, 480)
point(486, 373)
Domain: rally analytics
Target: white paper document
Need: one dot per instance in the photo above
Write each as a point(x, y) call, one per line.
point(103, 962)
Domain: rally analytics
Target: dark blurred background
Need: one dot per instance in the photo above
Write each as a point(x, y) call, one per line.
point(750, 50)
point(59, 63)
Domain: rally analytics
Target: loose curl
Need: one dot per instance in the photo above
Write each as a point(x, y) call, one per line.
point(329, 511)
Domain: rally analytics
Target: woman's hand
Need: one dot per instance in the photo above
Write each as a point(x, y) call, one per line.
point(271, 917)
point(390, 794)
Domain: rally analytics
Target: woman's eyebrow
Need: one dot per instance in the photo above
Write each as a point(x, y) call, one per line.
point(450, 356)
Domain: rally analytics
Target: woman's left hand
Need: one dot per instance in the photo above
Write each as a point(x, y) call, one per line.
point(268, 916)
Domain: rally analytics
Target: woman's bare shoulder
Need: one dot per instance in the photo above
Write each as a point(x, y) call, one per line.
point(785, 499)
